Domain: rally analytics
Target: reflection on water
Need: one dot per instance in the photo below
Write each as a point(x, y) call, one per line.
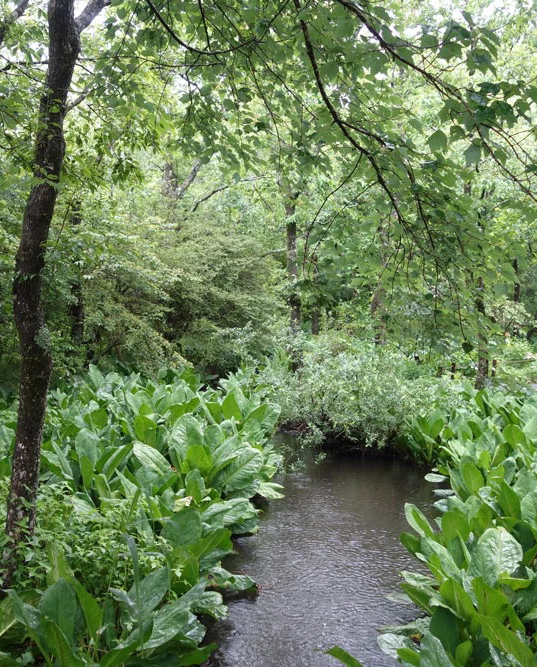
point(325, 558)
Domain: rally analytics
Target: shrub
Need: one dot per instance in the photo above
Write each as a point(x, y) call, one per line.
point(349, 389)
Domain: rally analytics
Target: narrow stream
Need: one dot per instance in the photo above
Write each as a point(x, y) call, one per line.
point(326, 558)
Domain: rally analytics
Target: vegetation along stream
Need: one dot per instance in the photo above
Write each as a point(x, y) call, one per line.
point(325, 558)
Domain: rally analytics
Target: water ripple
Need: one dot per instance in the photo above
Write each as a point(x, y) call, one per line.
point(326, 558)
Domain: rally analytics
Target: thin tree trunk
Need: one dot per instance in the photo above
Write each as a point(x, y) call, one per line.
point(316, 312)
point(36, 358)
point(516, 290)
point(482, 347)
point(378, 309)
point(516, 294)
point(292, 265)
point(315, 322)
point(76, 308)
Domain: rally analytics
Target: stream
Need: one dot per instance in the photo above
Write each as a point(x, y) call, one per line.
point(326, 559)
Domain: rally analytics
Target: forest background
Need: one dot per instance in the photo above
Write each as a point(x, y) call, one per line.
point(334, 202)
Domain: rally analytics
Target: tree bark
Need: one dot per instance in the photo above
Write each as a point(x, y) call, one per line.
point(292, 266)
point(316, 311)
point(76, 308)
point(482, 347)
point(378, 309)
point(516, 290)
point(170, 182)
point(170, 179)
point(315, 321)
point(36, 358)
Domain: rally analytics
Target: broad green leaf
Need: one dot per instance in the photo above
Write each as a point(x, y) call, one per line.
point(454, 522)
point(472, 476)
point(183, 528)
point(60, 646)
point(59, 568)
point(458, 599)
point(437, 142)
point(270, 490)
point(199, 456)
point(198, 656)
point(150, 458)
point(169, 622)
point(514, 435)
point(496, 553)
point(195, 485)
point(228, 512)
point(116, 457)
point(418, 521)
point(230, 407)
point(472, 154)
point(444, 626)
point(507, 641)
point(93, 614)
point(58, 603)
point(528, 508)
point(509, 501)
point(145, 430)
point(432, 653)
point(87, 444)
point(239, 472)
point(152, 589)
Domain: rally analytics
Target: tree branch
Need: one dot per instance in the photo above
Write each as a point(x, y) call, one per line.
point(188, 47)
point(444, 88)
point(221, 188)
point(341, 124)
point(10, 20)
point(90, 11)
point(189, 179)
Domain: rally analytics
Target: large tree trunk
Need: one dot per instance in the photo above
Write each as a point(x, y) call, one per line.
point(36, 359)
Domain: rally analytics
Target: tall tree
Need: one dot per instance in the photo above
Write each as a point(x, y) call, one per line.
point(36, 358)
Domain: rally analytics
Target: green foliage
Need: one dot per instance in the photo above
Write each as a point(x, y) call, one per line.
point(349, 389)
point(143, 484)
point(480, 595)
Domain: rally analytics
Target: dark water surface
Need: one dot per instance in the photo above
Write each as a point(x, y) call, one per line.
point(326, 557)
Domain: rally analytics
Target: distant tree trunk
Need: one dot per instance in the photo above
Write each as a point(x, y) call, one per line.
point(36, 358)
point(316, 312)
point(170, 182)
point(378, 310)
point(170, 179)
point(292, 265)
point(316, 321)
point(76, 308)
point(516, 290)
point(482, 348)
point(516, 294)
